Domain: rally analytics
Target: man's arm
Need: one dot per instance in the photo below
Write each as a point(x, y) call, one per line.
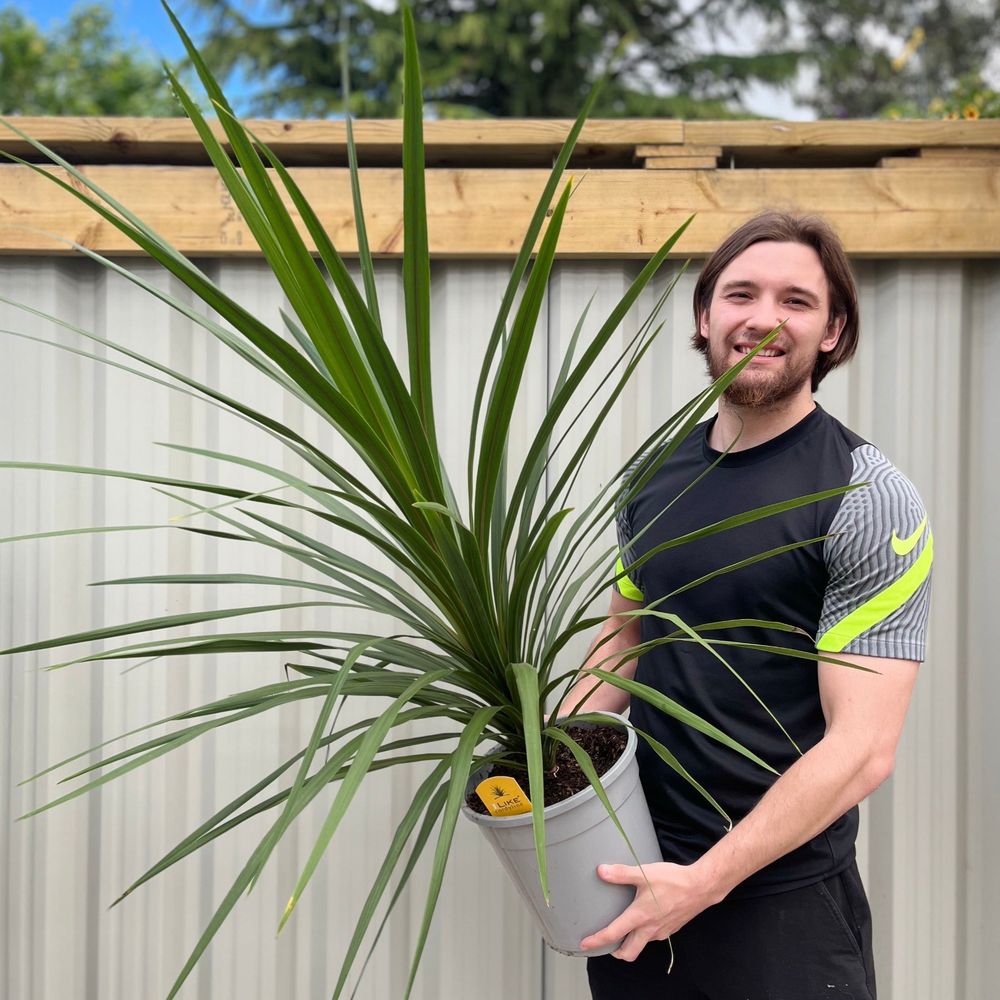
point(864, 718)
point(617, 634)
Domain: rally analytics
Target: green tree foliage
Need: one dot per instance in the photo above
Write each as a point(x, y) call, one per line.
point(523, 58)
point(515, 58)
point(81, 67)
point(874, 55)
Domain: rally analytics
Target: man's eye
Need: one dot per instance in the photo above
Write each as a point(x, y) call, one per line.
point(798, 302)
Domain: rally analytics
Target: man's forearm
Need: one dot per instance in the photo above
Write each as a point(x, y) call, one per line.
point(619, 633)
point(820, 787)
point(591, 694)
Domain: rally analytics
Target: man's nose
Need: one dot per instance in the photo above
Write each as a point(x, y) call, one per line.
point(765, 315)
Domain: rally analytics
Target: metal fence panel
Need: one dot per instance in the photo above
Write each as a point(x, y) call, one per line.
point(919, 388)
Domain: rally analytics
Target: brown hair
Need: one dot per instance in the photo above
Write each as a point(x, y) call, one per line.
point(784, 227)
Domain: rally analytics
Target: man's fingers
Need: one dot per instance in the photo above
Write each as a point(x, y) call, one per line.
point(632, 946)
point(614, 932)
point(621, 874)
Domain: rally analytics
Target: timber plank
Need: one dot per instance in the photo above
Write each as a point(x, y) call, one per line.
point(680, 163)
point(508, 142)
point(960, 158)
point(966, 152)
point(684, 149)
point(874, 134)
point(174, 140)
point(483, 213)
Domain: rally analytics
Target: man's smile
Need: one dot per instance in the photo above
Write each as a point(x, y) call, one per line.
point(768, 354)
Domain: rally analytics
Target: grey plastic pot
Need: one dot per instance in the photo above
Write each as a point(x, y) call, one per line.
point(579, 835)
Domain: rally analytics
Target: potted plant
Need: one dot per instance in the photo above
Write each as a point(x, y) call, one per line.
point(486, 592)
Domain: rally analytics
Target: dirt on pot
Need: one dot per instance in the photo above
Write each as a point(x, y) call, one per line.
point(604, 744)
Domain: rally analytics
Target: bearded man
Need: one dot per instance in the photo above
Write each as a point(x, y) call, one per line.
point(773, 908)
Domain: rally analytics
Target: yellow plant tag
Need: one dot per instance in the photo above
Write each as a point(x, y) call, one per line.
point(503, 796)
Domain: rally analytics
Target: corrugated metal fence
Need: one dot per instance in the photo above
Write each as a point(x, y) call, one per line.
point(919, 388)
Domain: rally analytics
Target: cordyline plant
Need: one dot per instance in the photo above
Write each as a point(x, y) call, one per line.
point(485, 597)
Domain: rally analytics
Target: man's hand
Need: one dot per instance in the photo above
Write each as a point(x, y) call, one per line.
point(679, 893)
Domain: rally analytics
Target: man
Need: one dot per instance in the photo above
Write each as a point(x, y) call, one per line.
point(773, 908)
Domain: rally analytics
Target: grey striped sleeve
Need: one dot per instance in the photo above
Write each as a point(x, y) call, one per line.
point(879, 559)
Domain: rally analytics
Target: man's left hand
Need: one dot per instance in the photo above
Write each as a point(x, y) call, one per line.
point(672, 896)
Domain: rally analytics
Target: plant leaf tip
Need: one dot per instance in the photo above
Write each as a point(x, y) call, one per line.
point(286, 915)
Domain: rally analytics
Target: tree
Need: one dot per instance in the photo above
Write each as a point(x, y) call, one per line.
point(524, 58)
point(82, 67)
point(873, 56)
point(480, 57)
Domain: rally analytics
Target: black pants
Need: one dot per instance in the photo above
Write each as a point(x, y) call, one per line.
point(813, 943)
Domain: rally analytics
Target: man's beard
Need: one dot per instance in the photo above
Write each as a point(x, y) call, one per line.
point(755, 388)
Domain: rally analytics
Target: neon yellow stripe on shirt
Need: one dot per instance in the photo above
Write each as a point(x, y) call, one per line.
point(879, 607)
point(625, 586)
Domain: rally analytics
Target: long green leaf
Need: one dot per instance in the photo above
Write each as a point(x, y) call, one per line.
point(586, 765)
point(155, 624)
point(430, 786)
point(359, 768)
point(361, 228)
point(519, 268)
point(431, 816)
point(659, 700)
point(526, 680)
point(496, 424)
point(461, 761)
point(416, 255)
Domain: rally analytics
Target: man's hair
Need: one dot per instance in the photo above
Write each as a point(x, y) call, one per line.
point(785, 227)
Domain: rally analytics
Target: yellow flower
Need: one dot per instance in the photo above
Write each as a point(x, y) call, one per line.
point(970, 111)
point(936, 106)
point(951, 116)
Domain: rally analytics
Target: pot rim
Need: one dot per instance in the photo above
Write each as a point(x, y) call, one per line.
point(577, 798)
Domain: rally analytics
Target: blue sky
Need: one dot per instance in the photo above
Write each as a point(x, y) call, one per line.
point(144, 20)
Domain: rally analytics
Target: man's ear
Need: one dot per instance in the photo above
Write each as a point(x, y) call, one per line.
point(833, 331)
point(703, 323)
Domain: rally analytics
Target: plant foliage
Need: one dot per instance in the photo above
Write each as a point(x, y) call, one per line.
point(484, 597)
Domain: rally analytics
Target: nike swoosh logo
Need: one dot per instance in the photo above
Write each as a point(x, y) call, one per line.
point(904, 546)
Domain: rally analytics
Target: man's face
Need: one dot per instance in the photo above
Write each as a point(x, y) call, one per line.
point(767, 283)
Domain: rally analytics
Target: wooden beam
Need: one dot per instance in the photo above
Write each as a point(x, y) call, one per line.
point(945, 157)
point(680, 163)
point(503, 142)
point(679, 157)
point(684, 149)
point(938, 162)
point(873, 134)
point(174, 140)
point(483, 213)
point(979, 153)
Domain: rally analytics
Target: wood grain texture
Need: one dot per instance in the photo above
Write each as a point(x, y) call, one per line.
point(680, 163)
point(500, 142)
point(483, 213)
point(174, 140)
point(876, 134)
point(960, 158)
point(683, 149)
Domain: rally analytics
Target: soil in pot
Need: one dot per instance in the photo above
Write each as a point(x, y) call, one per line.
point(605, 744)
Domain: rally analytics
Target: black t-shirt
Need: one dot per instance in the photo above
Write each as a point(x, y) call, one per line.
point(865, 589)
